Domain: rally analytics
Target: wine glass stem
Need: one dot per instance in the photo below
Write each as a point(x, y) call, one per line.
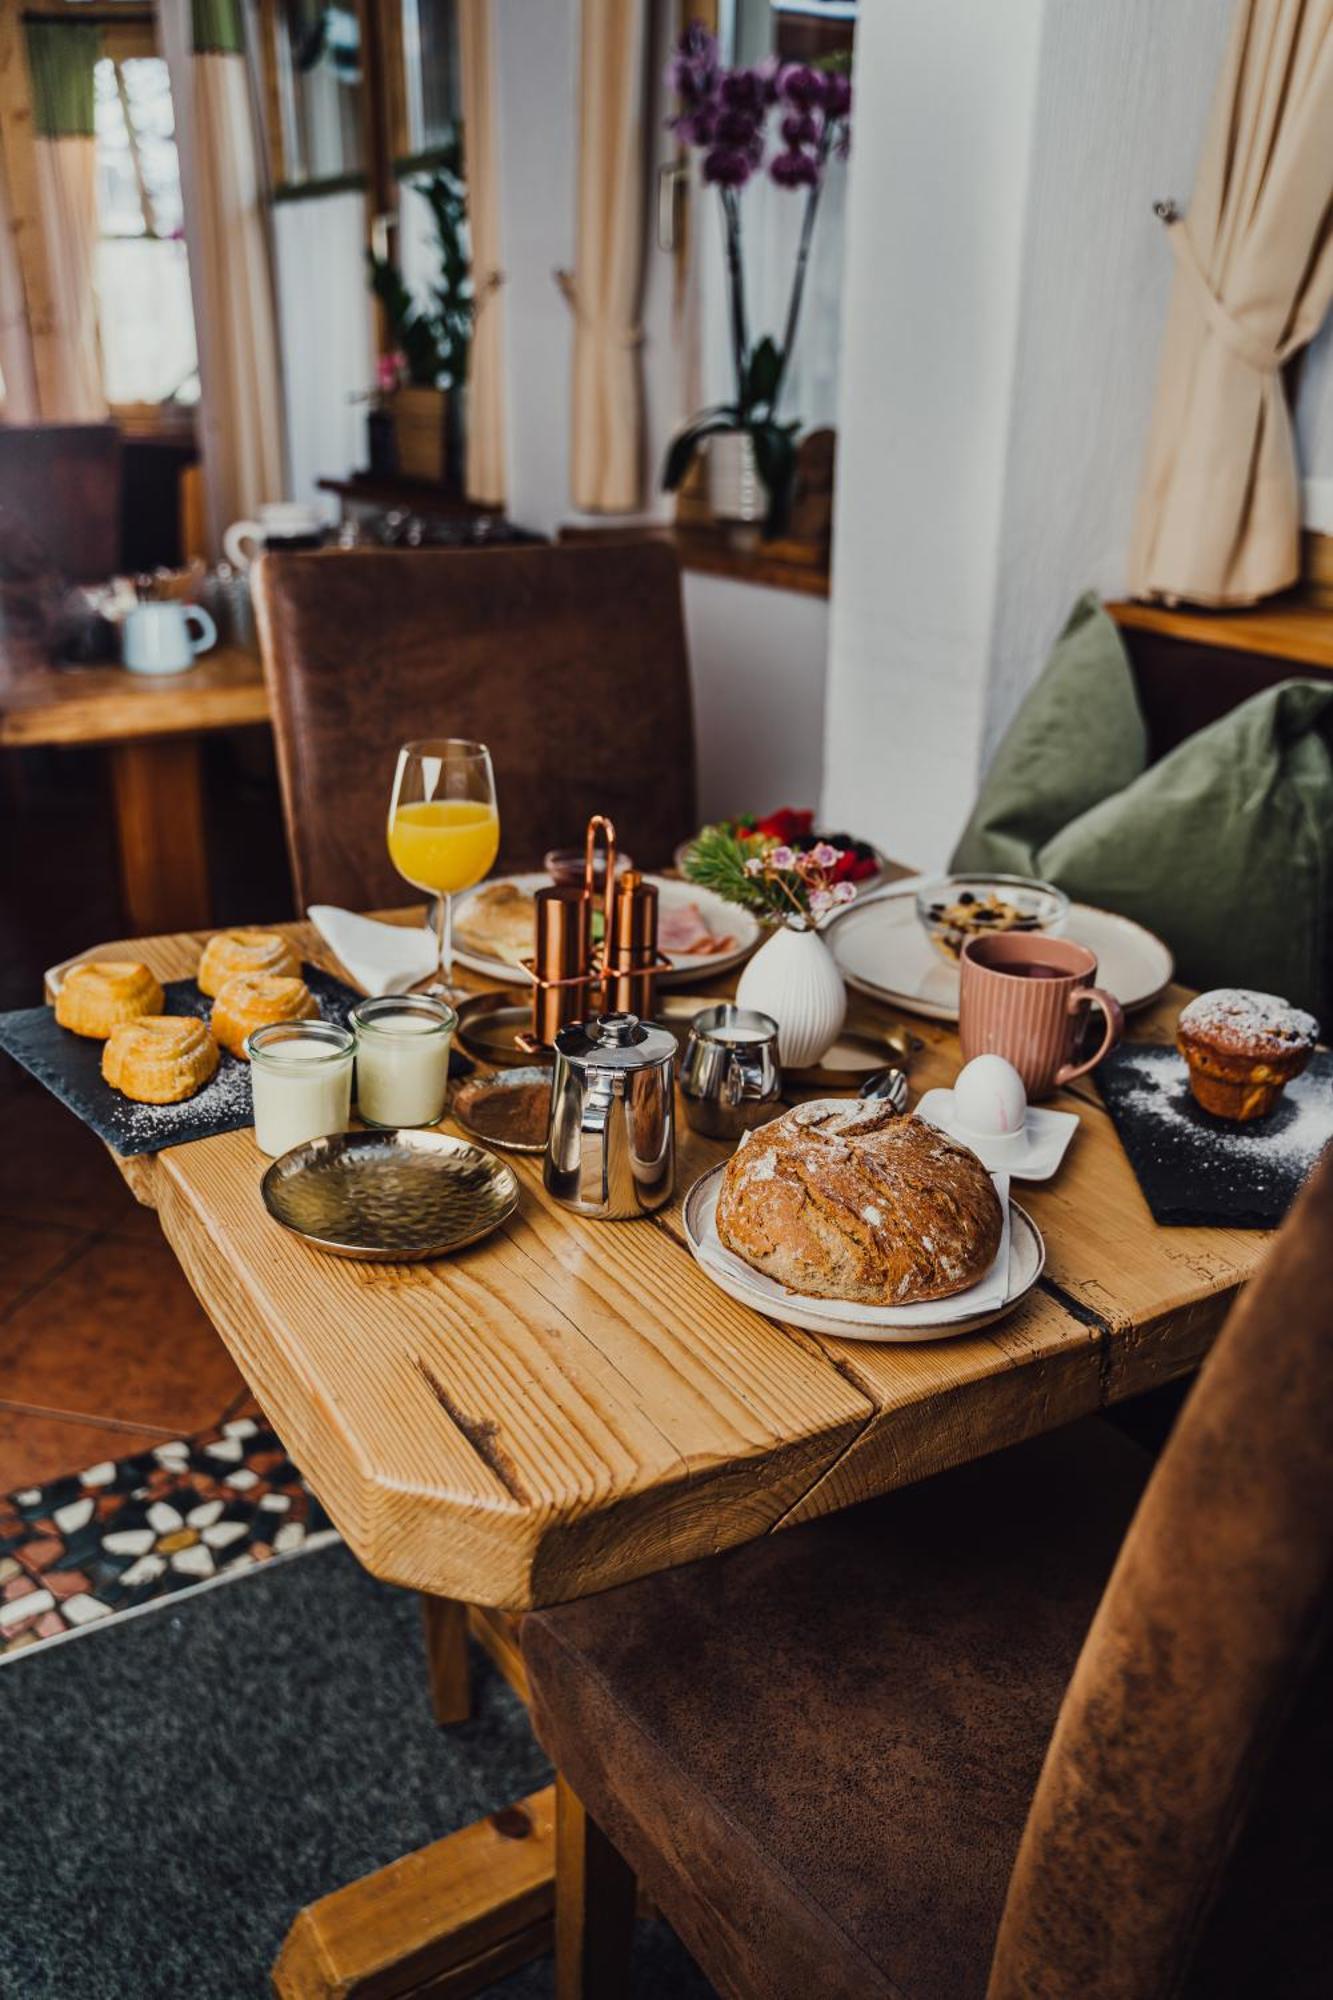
point(444, 934)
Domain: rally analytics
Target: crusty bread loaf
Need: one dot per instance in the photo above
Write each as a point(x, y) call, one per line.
point(846, 1200)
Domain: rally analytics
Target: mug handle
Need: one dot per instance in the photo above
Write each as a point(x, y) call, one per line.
point(208, 631)
point(1093, 996)
point(234, 540)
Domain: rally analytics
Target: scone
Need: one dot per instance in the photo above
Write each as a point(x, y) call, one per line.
point(1242, 1048)
point(846, 1200)
point(255, 999)
point(160, 1059)
point(97, 996)
point(498, 922)
point(231, 952)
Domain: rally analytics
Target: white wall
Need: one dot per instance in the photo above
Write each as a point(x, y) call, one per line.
point(1314, 430)
point(1007, 287)
point(757, 656)
point(327, 336)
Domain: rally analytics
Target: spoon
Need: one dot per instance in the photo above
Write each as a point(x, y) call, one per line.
point(889, 1084)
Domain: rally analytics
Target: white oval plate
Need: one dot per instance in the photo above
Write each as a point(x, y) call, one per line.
point(722, 918)
point(941, 1319)
point(882, 950)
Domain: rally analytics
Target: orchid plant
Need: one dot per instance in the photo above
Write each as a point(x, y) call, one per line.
point(778, 883)
point(725, 115)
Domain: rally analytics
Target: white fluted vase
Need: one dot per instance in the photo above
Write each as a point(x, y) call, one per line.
point(794, 979)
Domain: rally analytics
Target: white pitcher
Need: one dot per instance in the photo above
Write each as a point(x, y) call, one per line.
point(282, 524)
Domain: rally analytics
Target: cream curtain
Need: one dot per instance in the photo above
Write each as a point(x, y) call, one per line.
point(1219, 507)
point(65, 347)
point(241, 427)
point(485, 472)
point(18, 367)
point(607, 445)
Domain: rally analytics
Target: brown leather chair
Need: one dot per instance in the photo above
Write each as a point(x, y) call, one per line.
point(569, 662)
point(61, 483)
point(885, 1755)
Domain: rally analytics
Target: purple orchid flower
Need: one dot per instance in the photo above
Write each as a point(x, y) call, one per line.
point(794, 169)
point(727, 166)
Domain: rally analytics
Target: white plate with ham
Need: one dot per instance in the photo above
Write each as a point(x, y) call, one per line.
point(698, 931)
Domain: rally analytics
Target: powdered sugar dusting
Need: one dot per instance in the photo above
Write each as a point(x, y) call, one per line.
point(1239, 1017)
point(1197, 1168)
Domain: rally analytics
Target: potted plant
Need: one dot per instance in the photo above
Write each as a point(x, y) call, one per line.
point(792, 977)
point(725, 116)
point(433, 340)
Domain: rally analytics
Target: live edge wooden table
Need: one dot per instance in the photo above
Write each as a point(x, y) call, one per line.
point(151, 729)
point(573, 1403)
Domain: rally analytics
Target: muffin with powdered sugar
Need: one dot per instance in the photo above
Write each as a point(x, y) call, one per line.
point(1242, 1047)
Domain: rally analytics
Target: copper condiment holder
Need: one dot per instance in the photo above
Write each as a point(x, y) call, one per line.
point(573, 977)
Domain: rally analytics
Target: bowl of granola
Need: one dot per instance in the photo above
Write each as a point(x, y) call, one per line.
point(954, 908)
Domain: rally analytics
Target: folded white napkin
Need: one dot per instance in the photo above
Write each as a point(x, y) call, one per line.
point(382, 958)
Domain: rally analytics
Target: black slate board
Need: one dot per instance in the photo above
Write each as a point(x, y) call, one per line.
point(1197, 1169)
point(71, 1067)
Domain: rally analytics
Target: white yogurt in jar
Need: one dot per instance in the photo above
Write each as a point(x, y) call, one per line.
point(402, 1058)
point(301, 1082)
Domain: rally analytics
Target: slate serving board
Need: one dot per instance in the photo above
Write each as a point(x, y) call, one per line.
point(1197, 1169)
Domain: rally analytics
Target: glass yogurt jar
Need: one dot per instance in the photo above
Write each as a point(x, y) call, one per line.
point(301, 1080)
point(402, 1058)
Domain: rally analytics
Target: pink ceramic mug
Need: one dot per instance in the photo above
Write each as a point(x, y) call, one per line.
point(1023, 997)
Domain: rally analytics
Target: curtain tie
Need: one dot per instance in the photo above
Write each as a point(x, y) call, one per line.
point(1246, 346)
point(604, 330)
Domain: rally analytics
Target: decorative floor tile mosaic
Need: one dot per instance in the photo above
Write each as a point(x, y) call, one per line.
point(133, 1533)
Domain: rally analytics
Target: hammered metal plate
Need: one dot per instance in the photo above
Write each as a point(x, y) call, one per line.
point(390, 1197)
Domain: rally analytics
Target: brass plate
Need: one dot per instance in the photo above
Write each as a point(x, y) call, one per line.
point(390, 1197)
point(487, 1107)
point(856, 1055)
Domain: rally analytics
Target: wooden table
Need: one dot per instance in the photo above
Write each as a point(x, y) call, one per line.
point(573, 1404)
point(152, 730)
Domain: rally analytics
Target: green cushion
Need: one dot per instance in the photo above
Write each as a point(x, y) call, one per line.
point(1224, 848)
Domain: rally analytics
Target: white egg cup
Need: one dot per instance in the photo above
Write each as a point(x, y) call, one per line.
point(1033, 1154)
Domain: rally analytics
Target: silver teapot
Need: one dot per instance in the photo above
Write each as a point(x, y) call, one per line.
point(610, 1148)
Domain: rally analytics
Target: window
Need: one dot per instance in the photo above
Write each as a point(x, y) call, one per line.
point(142, 272)
point(430, 73)
point(318, 76)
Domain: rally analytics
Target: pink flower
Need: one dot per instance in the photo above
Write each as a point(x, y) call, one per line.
point(821, 901)
point(755, 865)
point(844, 892)
point(782, 857)
point(824, 856)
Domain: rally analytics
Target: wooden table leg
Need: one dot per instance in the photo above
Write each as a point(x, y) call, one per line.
point(445, 1621)
point(595, 1894)
point(158, 789)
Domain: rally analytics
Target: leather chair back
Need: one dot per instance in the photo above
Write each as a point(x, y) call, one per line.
point(62, 483)
point(569, 662)
point(1180, 1840)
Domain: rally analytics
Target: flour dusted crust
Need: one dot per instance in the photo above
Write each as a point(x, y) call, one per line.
point(160, 1059)
point(841, 1200)
point(230, 952)
point(1242, 1047)
point(97, 996)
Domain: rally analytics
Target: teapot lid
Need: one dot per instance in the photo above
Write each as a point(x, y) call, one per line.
point(615, 1041)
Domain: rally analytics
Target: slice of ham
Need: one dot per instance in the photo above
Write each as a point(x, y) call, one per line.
point(683, 933)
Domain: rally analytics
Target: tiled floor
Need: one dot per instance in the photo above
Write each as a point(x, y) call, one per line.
point(103, 1348)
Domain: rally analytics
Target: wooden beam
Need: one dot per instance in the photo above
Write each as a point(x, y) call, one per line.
point(445, 1621)
point(446, 1921)
point(496, 1632)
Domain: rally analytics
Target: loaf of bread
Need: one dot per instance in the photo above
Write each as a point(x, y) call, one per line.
point(846, 1200)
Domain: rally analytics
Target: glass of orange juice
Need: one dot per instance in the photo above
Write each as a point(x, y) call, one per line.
point(444, 826)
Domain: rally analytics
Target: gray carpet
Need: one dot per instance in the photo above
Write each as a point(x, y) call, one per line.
point(176, 1786)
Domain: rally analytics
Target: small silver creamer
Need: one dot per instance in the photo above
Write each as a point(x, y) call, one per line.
point(610, 1149)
